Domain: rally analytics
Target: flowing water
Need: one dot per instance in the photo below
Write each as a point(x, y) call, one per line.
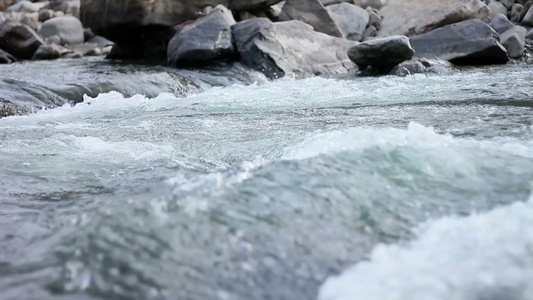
point(199, 185)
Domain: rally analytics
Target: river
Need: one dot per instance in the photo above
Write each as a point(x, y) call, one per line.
point(220, 184)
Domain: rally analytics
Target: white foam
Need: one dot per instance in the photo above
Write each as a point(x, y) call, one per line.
point(484, 256)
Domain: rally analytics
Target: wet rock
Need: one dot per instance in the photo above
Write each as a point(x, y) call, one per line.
point(68, 28)
point(45, 14)
point(422, 66)
point(500, 24)
point(100, 41)
point(516, 13)
point(8, 109)
point(47, 52)
point(143, 28)
point(371, 3)
point(350, 19)
point(6, 58)
point(496, 8)
point(381, 54)
point(311, 12)
point(469, 42)
point(19, 40)
point(528, 17)
point(412, 17)
point(209, 38)
point(514, 40)
point(244, 5)
point(290, 48)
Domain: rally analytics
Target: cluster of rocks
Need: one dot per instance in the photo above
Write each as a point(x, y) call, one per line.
point(45, 30)
point(279, 38)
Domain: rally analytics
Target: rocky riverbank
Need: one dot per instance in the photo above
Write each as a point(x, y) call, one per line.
point(294, 38)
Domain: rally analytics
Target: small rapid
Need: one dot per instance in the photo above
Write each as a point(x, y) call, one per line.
point(264, 190)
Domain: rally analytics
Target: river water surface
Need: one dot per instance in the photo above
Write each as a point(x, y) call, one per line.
point(198, 185)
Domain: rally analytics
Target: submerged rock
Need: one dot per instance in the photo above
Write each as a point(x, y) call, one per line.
point(290, 48)
point(19, 40)
point(9, 109)
point(381, 54)
point(514, 40)
point(422, 66)
point(469, 42)
point(350, 19)
point(6, 58)
point(206, 39)
point(311, 12)
point(412, 17)
point(68, 28)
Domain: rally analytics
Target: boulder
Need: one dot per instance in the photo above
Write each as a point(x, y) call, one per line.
point(371, 3)
point(350, 19)
point(100, 41)
point(6, 58)
point(68, 28)
point(31, 19)
point(243, 5)
point(500, 24)
point(507, 3)
point(207, 39)
point(311, 12)
point(370, 32)
point(45, 14)
point(412, 17)
point(470, 42)
point(422, 66)
point(381, 54)
point(528, 17)
point(290, 48)
point(496, 8)
point(47, 52)
point(19, 40)
point(514, 40)
point(516, 12)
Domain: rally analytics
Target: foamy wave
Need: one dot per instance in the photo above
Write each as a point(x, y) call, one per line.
point(486, 256)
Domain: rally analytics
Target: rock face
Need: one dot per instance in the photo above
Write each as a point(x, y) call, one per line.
point(68, 28)
point(311, 12)
point(469, 42)
point(514, 40)
point(206, 39)
point(290, 48)
point(6, 58)
point(19, 40)
point(412, 17)
point(381, 54)
point(350, 19)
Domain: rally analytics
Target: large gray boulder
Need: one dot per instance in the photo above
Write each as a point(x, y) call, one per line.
point(350, 19)
point(6, 58)
point(311, 12)
point(469, 42)
point(514, 40)
point(500, 24)
point(412, 17)
point(290, 48)
point(496, 8)
point(19, 40)
point(381, 54)
point(207, 39)
point(68, 28)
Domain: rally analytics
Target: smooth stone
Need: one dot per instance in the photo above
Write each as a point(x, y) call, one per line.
point(47, 52)
point(45, 14)
point(470, 42)
point(381, 54)
point(68, 28)
point(290, 48)
point(311, 12)
point(501, 24)
point(496, 8)
point(422, 66)
point(412, 17)
point(207, 39)
point(514, 40)
point(350, 19)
